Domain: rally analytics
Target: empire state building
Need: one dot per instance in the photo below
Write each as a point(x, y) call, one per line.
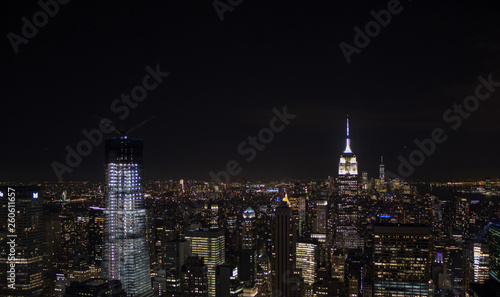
point(347, 228)
point(348, 169)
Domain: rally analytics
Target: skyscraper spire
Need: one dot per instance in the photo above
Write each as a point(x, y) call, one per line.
point(348, 141)
point(382, 168)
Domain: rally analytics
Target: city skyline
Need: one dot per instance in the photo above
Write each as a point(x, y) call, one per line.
point(234, 148)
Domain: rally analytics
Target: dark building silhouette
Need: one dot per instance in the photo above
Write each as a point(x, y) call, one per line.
point(195, 278)
point(283, 251)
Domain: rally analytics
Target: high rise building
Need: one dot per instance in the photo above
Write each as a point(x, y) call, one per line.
point(213, 215)
point(338, 266)
point(402, 260)
point(382, 169)
point(364, 180)
point(21, 237)
point(283, 251)
point(125, 253)
point(195, 278)
point(96, 235)
point(247, 255)
point(461, 222)
point(248, 236)
point(494, 247)
point(478, 268)
point(348, 169)
point(208, 244)
point(263, 276)
point(306, 261)
point(320, 220)
point(227, 282)
point(52, 241)
point(347, 234)
point(176, 252)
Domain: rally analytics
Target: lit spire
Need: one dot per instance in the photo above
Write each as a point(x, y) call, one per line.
point(286, 199)
point(348, 141)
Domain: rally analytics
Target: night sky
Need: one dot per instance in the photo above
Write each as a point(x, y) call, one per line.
point(226, 78)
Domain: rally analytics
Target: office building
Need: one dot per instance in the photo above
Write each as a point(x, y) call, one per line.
point(494, 249)
point(96, 236)
point(176, 252)
point(306, 261)
point(208, 244)
point(195, 278)
point(478, 262)
point(402, 260)
point(248, 234)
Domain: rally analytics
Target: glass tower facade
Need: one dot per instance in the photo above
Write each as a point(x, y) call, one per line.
point(494, 249)
point(125, 254)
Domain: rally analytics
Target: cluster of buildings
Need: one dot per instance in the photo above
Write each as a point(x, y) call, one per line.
point(347, 235)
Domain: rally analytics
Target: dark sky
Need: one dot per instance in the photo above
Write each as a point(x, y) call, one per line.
point(226, 77)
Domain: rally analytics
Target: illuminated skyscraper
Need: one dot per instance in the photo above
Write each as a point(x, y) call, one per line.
point(125, 254)
point(247, 262)
point(348, 169)
point(21, 248)
point(248, 236)
point(96, 234)
point(382, 169)
point(208, 244)
point(320, 220)
point(478, 266)
point(347, 228)
point(306, 261)
point(494, 243)
point(402, 260)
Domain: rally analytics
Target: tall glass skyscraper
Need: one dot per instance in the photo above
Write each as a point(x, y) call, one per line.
point(494, 249)
point(125, 254)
